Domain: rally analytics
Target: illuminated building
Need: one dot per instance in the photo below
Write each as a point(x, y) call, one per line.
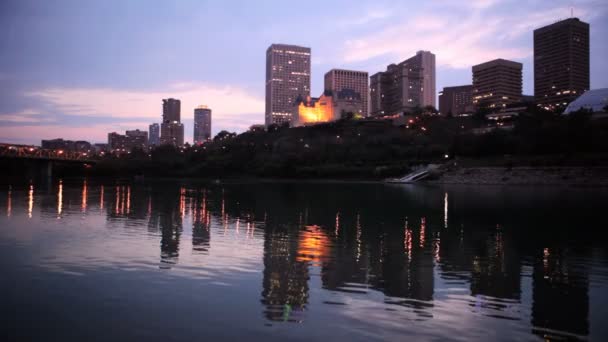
point(594, 100)
point(338, 79)
point(497, 83)
point(287, 77)
point(154, 134)
point(404, 86)
point(561, 62)
point(328, 107)
point(202, 124)
point(456, 100)
point(171, 129)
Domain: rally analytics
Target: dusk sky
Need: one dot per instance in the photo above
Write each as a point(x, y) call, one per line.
point(80, 69)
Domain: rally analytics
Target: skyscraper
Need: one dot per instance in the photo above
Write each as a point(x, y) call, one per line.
point(404, 86)
point(202, 124)
point(497, 83)
point(287, 77)
point(561, 63)
point(337, 80)
point(171, 129)
point(154, 134)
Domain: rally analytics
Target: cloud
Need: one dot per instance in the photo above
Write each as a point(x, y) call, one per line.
point(481, 33)
point(24, 116)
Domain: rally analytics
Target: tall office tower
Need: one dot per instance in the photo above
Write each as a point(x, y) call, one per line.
point(561, 63)
point(497, 83)
point(425, 60)
point(456, 100)
point(337, 80)
point(171, 129)
point(202, 124)
point(154, 134)
point(396, 90)
point(287, 77)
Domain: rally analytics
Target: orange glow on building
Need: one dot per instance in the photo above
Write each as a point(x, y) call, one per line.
point(321, 110)
point(314, 245)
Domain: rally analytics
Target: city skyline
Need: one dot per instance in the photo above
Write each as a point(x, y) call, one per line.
point(61, 82)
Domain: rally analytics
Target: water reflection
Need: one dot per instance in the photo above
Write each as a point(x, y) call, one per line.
point(390, 246)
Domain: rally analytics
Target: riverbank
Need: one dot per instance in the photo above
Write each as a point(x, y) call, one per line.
point(521, 175)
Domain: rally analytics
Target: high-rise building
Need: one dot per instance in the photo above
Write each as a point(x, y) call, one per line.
point(561, 63)
point(154, 134)
point(425, 60)
point(202, 124)
point(337, 80)
point(287, 77)
point(404, 86)
point(456, 100)
point(497, 83)
point(396, 90)
point(171, 129)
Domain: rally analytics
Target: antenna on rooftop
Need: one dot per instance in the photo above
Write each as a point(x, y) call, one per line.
point(571, 12)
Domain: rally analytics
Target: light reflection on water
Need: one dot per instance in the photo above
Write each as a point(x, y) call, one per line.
point(356, 262)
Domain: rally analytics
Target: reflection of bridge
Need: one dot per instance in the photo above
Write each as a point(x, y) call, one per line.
point(40, 159)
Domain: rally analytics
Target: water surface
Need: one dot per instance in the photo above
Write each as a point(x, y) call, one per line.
point(88, 260)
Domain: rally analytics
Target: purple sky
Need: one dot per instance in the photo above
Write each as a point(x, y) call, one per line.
point(80, 69)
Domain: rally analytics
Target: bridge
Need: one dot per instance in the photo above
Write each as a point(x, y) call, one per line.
point(39, 159)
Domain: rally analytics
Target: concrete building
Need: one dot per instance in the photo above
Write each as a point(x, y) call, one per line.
point(425, 60)
point(171, 110)
point(456, 100)
point(126, 142)
point(338, 79)
point(396, 90)
point(497, 83)
point(330, 106)
point(137, 138)
point(202, 124)
point(154, 134)
point(171, 129)
point(287, 77)
point(404, 86)
point(561, 63)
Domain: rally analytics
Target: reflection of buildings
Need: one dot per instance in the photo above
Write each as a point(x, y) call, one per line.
point(285, 283)
point(201, 218)
point(560, 295)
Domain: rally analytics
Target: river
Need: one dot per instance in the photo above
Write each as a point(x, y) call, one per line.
point(99, 260)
